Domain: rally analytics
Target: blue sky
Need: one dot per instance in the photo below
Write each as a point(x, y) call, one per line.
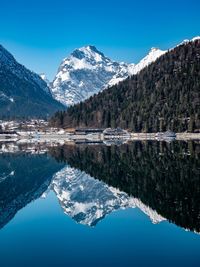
point(40, 33)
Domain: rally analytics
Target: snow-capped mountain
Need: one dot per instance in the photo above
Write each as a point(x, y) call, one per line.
point(22, 92)
point(189, 40)
point(153, 54)
point(44, 78)
point(88, 200)
point(87, 71)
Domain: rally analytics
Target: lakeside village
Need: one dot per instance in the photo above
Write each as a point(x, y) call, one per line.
point(37, 130)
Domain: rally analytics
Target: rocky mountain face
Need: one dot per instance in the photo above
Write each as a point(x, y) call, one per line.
point(87, 71)
point(23, 93)
point(88, 200)
point(162, 96)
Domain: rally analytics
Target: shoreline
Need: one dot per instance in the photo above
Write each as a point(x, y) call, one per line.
point(56, 137)
point(152, 136)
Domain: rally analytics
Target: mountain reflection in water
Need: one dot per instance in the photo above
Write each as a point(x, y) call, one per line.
point(23, 178)
point(90, 181)
point(88, 200)
point(164, 176)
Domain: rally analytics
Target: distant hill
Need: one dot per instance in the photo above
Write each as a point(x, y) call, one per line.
point(164, 95)
point(23, 93)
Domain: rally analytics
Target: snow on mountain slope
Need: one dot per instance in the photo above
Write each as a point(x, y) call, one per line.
point(23, 94)
point(153, 54)
point(88, 200)
point(87, 71)
point(44, 78)
point(8, 61)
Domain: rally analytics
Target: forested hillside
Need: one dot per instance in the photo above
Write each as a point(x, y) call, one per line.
point(164, 95)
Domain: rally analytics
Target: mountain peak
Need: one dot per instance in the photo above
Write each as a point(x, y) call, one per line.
point(90, 48)
point(153, 54)
point(44, 78)
point(88, 51)
point(87, 71)
point(154, 49)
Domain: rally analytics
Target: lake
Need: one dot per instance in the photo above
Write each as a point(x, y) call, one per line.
point(134, 204)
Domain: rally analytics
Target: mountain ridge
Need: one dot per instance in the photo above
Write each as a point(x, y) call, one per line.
point(88, 71)
point(163, 95)
point(22, 92)
point(85, 72)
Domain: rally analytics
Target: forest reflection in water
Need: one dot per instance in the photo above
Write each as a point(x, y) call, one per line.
point(164, 176)
point(90, 181)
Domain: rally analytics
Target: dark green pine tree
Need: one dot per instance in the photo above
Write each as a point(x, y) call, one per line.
point(165, 95)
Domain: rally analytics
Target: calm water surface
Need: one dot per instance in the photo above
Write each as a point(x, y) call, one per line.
point(136, 204)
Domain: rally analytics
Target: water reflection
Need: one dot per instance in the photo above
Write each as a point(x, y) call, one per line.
point(164, 176)
point(23, 178)
point(90, 181)
point(88, 200)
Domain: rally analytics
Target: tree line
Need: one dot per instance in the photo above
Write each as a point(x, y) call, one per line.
point(164, 95)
